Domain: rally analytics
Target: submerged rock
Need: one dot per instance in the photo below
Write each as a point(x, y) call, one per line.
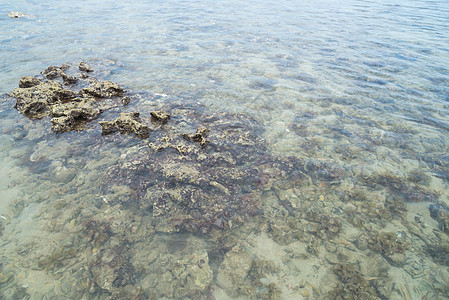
point(440, 213)
point(194, 188)
point(199, 136)
point(126, 123)
point(233, 270)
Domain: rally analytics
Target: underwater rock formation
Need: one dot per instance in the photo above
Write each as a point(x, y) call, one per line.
point(440, 213)
point(234, 269)
point(354, 286)
point(192, 187)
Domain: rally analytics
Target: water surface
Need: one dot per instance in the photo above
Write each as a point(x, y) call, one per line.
point(355, 90)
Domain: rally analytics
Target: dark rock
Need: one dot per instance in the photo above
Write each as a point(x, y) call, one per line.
point(70, 108)
point(126, 123)
point(84, 67)
point(28, 81)
point(160, 116)
point(354, 285)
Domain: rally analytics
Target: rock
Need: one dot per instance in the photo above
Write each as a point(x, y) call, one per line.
point(440, 213)
point(72, 115)
point(190, 188)
point(126, 100)
point(28, 81)
point(69, 79)
point(35, 101)
point(199, 136)
point(53, 72)
point(84, 67)
point(352, 283)
point(69, 108)
point(64, 175)
point(16, 14)
point(397, 259)
point(192, 275)
point(105, 89)
point(126, 123)
point(160, 116)
point(233, 270)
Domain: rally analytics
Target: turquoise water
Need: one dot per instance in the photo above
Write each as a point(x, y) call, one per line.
point(358, 90)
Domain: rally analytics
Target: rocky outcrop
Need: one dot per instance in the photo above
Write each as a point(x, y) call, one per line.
point(105, 89)
point(72, 115)
point(70, 100)
point(160, 117)
point(84, 67)
point(126, 123)
point(34, 97)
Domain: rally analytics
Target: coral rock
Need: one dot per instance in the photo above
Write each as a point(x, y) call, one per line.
point(126, 123)
point(105, 89)
point(72, 115)
point(34, 101)
point(160, 116)
point(84, 67)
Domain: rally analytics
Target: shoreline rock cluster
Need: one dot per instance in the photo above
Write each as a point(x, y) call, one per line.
point(73, 100)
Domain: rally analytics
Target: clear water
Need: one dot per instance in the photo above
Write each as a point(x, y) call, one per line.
point(362, 85)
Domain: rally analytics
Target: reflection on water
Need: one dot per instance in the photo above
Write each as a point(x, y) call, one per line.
point(323, 172)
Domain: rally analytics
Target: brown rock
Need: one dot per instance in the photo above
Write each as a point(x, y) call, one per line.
point(34, 101)
point(69, 79)
point(28, 81)
point(105, 89)
point(84, 67)
point(126, 100)
point(199, 136)
point(160, 116)
point(53, 72)
point(73, 115)
point(126, 123)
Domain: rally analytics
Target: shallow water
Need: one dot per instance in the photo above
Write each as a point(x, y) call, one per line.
point(353, 94)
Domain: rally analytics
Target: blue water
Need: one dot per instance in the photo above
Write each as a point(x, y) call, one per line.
point(363, 84)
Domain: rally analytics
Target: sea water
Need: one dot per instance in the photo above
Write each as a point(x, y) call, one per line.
point(356, 90)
